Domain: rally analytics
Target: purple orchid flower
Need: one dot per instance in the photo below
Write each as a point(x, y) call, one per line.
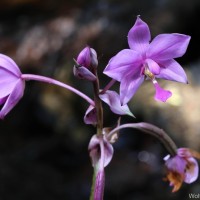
point(11, 85)
point(182, 168)
point(151, 60)
point(85, 63)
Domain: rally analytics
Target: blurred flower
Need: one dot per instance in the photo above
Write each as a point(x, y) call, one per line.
point(181, 168)
point(85, 64)
point(151, 60)
point(11, 85)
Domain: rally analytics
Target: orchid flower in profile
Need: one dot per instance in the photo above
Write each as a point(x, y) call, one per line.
point(148, 60)
point(182, 168)
point(11, 85)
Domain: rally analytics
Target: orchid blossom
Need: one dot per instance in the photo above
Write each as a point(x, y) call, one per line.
point(182, 168)
point(148, 60)
point(11, 84)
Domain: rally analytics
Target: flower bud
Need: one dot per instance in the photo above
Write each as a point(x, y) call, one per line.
point(85, 64)
point(83, 73)
point(87, 58)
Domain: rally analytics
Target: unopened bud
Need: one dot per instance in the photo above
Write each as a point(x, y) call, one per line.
point(83, 73)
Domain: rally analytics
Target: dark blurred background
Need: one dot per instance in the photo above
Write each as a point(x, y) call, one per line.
point(43, 140)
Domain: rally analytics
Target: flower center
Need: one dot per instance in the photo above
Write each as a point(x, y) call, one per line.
point(148, 73)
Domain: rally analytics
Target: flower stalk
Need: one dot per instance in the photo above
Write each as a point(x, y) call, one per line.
point(98, 104)
point(28, 77)
point(152, 130)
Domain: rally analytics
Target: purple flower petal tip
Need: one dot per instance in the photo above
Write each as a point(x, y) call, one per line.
point(84, 58)
point(161, 94)
point(113, 100)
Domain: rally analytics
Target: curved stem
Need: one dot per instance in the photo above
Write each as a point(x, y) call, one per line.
point(108, 86)
point(28, 77)
point(152, 130)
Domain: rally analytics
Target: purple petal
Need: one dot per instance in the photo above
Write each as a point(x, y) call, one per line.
point(184, 152)
point(113, 100)
point(90, 115)
point(161, 94)
point(101, 151)
point(167, 46)
point(176, 164)
point(153, 66)
point(139, 36)
point(192, 171)
point(7, 82)
point(3, 100)
point(128, 87)
point(94, 60)
point(120, 65)
point(83, 73)
point(13, 98)
point(84, 58)
point(171, 70)
point(7, 63)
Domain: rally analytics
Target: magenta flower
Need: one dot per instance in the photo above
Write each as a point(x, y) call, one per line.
point(148, 60)
point(11, 85)
point(182, 168)
point(85, 64)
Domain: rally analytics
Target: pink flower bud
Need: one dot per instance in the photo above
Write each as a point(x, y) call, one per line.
point(87, 58)
point(85, 64)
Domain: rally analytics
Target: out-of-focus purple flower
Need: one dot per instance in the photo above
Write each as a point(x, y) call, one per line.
point(148, 60)
point(101, 152)
point(11, 85)
point(90, 115)
point(85, 64)
point(113, 100)
point(181, 168)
